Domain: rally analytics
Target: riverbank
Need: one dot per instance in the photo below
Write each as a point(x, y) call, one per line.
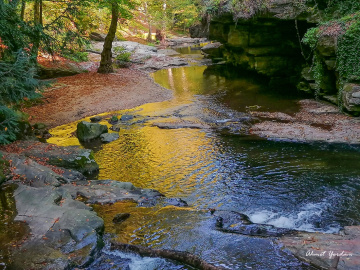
point(73, 98)
point(185, 117)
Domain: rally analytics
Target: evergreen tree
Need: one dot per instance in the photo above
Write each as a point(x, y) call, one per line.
point(17, 67)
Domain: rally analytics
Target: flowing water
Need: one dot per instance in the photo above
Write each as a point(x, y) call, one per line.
point(312, 187)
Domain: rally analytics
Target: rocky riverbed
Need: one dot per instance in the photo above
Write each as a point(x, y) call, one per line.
point(54, 202)
point(53, 194)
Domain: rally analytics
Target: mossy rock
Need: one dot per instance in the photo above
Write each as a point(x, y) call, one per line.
point(89, 131)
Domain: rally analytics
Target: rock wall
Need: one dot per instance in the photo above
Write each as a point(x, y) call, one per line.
point(331, 87)
point(268, 46)
point(269, 43)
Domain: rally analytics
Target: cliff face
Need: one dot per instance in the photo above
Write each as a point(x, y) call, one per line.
point(268, 46)
point(269, 43)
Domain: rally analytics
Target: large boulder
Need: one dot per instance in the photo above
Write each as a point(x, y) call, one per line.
point(234, 222)
point(89, 131)
point(56, 70)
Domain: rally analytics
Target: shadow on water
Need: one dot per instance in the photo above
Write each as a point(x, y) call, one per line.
point(11, 232)
point(313, 187)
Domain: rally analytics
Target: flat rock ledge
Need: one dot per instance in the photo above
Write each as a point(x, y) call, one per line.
point(65, 232)
point(315, 122)
point(327, 251)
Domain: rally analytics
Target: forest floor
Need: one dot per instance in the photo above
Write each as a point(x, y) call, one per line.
point(75, 97)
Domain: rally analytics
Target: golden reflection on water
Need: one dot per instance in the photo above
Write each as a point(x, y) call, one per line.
point(150, 157)
point(135, 229)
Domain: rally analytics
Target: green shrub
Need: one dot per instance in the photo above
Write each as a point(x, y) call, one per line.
point(122, 54)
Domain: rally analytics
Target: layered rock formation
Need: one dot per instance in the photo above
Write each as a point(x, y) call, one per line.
point(268, 42)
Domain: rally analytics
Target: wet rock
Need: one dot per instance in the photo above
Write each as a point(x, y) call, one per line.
point(64, 232)
point(180, 124)
point(70, 157)
point(327, 251)
point(162, 202)
point(95, 119)
point(119, 218)
point(110, 262)
point(109, 137)
point(234, 222)
point(175, 202)
point(115, 128)
point(126, 117)
point(113, 120)
point(108, 191)
point(88, 131)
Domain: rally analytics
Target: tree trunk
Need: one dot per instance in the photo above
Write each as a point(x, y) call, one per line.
point(37, 11)
point(149, 37)
point(180, 256)
point(36, 45)
point(23, 6)
point(106, 55)
point(41, 12)
point(163, 30)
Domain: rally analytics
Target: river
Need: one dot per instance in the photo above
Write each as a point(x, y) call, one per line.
point(302, 186)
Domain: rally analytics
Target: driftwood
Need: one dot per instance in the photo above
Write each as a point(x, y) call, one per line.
point(180, 256)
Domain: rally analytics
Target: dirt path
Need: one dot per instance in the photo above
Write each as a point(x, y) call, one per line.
point(75, 97)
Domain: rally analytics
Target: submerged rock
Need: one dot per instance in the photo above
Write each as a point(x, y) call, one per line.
point(109, 191)
point(119, 218)
point(109, 137)
point(162, 202)
point(180, 124)
point(88, 131)
point(126, 117)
